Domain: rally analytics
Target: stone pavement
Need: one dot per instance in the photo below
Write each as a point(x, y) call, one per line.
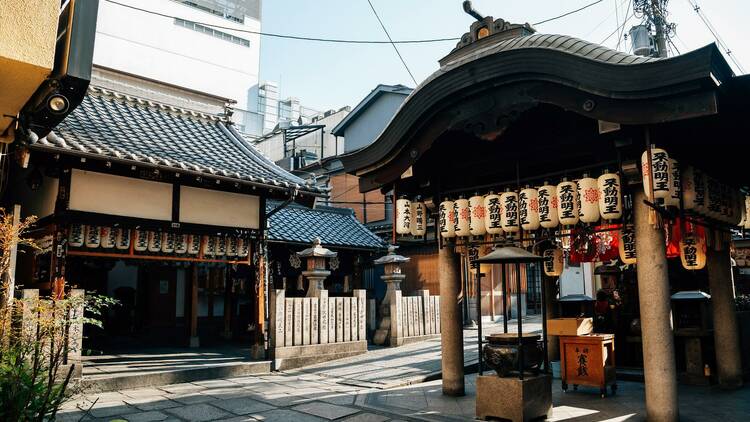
point(388, 367)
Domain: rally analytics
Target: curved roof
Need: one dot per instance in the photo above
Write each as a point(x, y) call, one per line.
point(563, 61)
point(112, 126)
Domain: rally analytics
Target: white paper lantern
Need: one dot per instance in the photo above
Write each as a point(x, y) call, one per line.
point(108, 237)
point(447, 219)
point(419, 216)
point(509, 215)
point(403, 216)
point(76, 236)
point(548, 203)
point(231, 246)
point(693, 252)
point(588, 192)
point(154, 242)
point(694, 190)
point(93, 236)
point(528, 209)
point(167, 242)
point(627, 245)
point(492, 208)
point(553, 262)
point(181, 244)
point(221, 246)
point(122, 239)
point(463, 217)
point(673, 200)
point(243, 247)
point(141, 241)
point(568, 206)
point(747, 213)
point(194, 244)
point(209, 245)
point(738, 203)
point(660, 173)
point(610, 196)
point(476, 219)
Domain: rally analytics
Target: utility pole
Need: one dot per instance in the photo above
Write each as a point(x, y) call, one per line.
point(658, 20)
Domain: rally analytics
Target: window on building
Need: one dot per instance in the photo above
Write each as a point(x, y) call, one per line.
point(212, 32)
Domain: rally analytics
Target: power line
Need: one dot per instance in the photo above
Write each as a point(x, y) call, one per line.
point(292, 37)
point(628, 16)
point(569, 13)
point(715, 34)
point(382, 25)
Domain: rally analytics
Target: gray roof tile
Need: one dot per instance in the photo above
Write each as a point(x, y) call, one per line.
point(117, 126)
point(336, 227)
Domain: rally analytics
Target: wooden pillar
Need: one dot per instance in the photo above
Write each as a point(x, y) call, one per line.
point(194, 340)
point(550, 310)
point(659, 367)
point(726, 333)
point(228, 305)
point(451, 323)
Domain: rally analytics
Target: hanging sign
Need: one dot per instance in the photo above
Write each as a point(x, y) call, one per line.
point(122, 239)
point(492, 210)
point(588, 192)
point(509, 216)
point(610, 196)
point(553, 262)
point(403, 216)
point(627, 245)
point(419, 214)
point(476, 219)
point(693, 252)
point(528, 209)
point(713, 198)
point(93, 236)
point(694, 190)
point(463, 217)
point(660, 173)
point(446, 219)
point(675, 190)
point(567, 197)
point(548, 217)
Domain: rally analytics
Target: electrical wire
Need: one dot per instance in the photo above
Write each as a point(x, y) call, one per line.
point(715, 34)
point(569, 13)
point(628, 16)
point(382, 25)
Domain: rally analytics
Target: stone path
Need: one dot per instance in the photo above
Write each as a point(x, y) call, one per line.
point(388, 367)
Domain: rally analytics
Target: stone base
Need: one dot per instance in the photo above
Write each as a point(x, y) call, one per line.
point(401, 341)
point(513, 399)
point(299, 356)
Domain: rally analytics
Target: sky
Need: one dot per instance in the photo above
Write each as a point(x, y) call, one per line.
point(328, 76)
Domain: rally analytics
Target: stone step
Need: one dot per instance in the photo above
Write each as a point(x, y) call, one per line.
point(99, 383)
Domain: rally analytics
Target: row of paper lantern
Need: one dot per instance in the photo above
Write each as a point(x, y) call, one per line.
point(411, 217)
point(586, 200)
point(692, 253)
point(93, 237)
point(701, 194)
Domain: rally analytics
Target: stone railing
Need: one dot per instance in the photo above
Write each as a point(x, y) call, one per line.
point(307, 330)
point(416, 318)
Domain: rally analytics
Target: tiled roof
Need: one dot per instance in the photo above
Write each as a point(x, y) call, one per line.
point(118, 127)
point(336, 227)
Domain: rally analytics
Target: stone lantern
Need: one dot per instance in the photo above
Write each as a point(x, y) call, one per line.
point(387, 329)
point(316, 271)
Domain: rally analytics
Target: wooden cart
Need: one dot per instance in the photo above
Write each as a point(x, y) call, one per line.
point(588, 360)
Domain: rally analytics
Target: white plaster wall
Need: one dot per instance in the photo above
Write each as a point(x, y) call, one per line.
point(154, 47)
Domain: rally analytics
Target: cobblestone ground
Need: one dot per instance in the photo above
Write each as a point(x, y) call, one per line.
point(384, 385)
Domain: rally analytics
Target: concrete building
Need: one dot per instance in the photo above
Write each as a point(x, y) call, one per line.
point(185, 49)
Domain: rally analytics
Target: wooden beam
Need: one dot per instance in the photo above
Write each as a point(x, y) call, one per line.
point(152, 257)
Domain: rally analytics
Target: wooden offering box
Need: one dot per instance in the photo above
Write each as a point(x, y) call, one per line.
point(588, 360)
point(569, 326)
